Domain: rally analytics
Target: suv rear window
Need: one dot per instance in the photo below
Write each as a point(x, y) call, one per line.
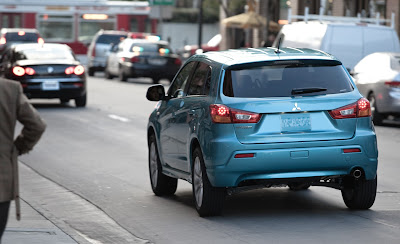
point(287, 78)
point(107, 39)
point(25, 37)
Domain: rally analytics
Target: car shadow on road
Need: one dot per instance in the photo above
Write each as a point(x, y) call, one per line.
point(272, 202)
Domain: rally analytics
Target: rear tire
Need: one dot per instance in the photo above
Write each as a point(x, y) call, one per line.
point(209, 200)
point(122, 76)
point(80, 101)
point(107, 74)
point(161, 184)
point(359, 194)
point(377, 117)
point(91, 72)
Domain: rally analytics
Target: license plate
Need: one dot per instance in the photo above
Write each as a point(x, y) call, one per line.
point(157, 61)
point(50, 85)
point(295, 122)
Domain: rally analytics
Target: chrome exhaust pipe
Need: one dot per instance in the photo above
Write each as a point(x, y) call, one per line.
point(357, 173)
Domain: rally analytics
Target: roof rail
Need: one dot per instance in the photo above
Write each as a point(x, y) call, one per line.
point(377, 20)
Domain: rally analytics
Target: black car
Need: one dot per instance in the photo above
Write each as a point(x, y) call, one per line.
point(10, 36)
point(142, 58)
point(46, 71)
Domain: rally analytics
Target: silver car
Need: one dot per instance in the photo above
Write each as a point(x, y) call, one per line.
point(99, 49)
point(377, 76)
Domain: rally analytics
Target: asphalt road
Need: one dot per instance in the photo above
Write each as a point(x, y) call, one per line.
point(100, 154)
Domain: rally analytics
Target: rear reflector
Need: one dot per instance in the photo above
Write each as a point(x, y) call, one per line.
point(351, 150)
point(392, 83)
point(244, 155)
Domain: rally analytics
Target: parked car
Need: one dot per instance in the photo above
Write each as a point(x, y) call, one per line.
point(9, 36)
point(99, 48)
point(46, 71)
point(142, 58)
point(377, 76)
point(211, 45)
point(349, 42)
point(244, 119)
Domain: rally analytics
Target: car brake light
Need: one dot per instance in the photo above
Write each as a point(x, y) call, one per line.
point(18, 71)
point(21, 33)
point(78, 70)
point(40, 40)
point(3, 40)
point(224, 115)
point(392, 84)
point(29, 71)
point(93, 53)
point(178, 62)
point(361, 108)
point(135, 59)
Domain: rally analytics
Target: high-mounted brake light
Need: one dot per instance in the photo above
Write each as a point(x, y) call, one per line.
point(21, 33)
point(224, 115)
point(361, 108)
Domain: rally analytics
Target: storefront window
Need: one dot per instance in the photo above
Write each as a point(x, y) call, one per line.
point(90, 24)
point(56, 27)
point(134, 25)
point(5, 21)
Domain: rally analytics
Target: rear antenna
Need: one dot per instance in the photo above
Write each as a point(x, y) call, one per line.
point(279, 45)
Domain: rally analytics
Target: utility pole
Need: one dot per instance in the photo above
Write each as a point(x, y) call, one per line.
point(200, 2)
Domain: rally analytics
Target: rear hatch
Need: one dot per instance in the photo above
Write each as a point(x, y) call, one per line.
point(293, 100)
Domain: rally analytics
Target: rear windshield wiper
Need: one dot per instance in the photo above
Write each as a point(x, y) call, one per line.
point(297, 91)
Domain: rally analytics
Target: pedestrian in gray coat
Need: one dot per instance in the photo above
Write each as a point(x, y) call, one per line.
point(14, 106)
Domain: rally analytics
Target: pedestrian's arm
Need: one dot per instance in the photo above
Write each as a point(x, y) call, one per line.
point(33, 124)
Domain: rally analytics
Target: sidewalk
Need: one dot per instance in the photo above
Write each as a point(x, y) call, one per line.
point(32, 229)
point(51, 214)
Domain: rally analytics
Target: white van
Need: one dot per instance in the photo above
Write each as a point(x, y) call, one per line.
point(349, 42)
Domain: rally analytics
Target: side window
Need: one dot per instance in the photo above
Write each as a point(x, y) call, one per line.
point(200, 83)
point(178, 86)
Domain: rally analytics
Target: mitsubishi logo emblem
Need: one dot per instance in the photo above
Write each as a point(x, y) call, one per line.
point(50, 69)
point(296, 108)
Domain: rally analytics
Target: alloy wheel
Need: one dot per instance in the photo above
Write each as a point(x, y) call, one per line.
point(198, 182)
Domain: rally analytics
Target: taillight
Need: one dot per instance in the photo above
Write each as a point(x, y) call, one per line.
point(78, 70)
point(225, 115)
point(93, 53)
point(361, 108)
point(393, 84)
point(18, 71)
point(29, 71)
point(178, 62)
point(135, 59)
point(40, 40)
point(3, 40)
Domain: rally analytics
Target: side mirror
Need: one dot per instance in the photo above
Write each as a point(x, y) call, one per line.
point(155, 93)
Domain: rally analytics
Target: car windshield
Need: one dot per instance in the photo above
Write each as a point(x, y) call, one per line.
point(107, 39)
point(278, 79)
point(21, 37)
point(44, 53)
point(150, 47)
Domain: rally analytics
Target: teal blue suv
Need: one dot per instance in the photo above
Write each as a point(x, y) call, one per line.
point(262, 117)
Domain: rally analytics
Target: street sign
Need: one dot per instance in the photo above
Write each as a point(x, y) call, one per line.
point(162, 2)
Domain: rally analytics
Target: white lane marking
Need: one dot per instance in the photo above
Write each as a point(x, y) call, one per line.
point(116, 117)
point(89, 239)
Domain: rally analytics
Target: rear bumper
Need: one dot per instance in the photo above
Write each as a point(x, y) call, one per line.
point(289, 160)
point(66, 91)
